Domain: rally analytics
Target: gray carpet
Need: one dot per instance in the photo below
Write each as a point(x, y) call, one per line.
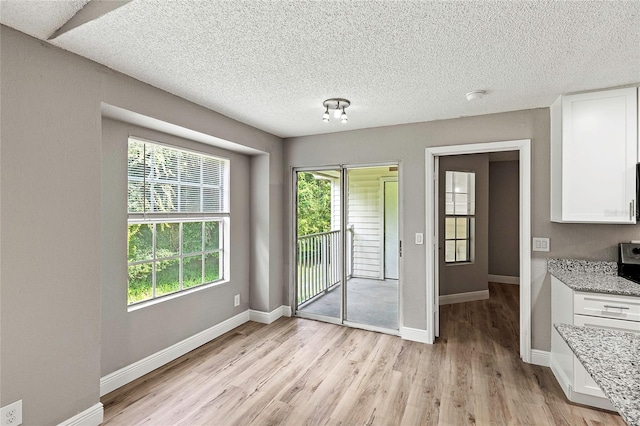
point(370, 302)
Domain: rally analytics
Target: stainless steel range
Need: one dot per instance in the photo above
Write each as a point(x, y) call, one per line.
point(629, 261)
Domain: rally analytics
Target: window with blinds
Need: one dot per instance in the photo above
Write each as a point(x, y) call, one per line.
point(178, 208)
point(168, 180)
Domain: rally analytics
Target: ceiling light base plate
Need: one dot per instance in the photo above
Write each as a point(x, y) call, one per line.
point(336, 103)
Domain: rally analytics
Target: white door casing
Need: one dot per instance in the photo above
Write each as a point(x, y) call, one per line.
point(523, 146)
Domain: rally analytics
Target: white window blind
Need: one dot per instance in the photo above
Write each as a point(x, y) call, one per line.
point(168, 180)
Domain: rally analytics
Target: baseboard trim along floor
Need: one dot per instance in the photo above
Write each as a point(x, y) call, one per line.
point(92, 416)
point(542, 358)
point(269, 317)
point(463, 297)
point(504, 279)
point(414, 334)
point(131, 372)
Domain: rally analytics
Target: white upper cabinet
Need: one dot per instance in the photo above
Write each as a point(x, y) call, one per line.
point(594, 151)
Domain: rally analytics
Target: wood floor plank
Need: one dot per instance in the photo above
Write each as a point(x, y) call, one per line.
point(302, 372)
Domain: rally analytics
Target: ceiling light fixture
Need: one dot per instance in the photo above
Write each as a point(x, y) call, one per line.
point(338, 106)
point(476, 94)
point(325, 116)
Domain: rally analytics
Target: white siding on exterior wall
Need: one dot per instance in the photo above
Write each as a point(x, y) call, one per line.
point(365, 215)
point(335, 204)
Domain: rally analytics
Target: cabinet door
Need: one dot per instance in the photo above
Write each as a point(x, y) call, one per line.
point(599, 154)
point(583, 382)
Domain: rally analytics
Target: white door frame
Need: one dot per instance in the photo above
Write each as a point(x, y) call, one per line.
point(343, 216)
point(431, 214)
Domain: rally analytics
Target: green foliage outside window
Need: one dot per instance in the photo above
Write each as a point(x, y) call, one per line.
point(314, 204)
point(167, 259)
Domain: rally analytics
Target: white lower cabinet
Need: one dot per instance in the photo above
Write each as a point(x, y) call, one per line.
point(590, 310)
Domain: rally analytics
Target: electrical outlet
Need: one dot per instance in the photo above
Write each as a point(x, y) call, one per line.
point(236, 300)
point(11, 415)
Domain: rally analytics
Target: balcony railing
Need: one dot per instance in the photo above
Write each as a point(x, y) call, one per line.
point(319, 263)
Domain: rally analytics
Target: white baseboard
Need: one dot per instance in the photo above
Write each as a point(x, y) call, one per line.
point(269, 317)
point(542, 358)
point(286, 311)
point(414, 334)
point(505, 279)
point(92, 416)
point(463, 297)
point(127, 374)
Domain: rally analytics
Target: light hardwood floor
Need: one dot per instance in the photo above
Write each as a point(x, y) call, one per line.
point(303, 372)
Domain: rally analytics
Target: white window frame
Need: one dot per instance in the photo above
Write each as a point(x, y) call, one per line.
point(468, 217)
point(181, 218)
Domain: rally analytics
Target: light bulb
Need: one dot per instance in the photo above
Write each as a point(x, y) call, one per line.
point(336, 113)
point(325, 116)
point(343, 116)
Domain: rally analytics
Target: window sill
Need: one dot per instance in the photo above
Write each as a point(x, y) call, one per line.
point(458, 263)
point(147, 303)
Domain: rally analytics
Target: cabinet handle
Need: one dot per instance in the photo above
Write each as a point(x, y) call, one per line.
point(616, 307)
point(631, 209)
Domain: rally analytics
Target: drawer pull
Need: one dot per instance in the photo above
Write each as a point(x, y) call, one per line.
point(616, 307)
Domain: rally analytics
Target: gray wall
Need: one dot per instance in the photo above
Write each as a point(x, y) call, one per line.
point(407, 143)
point(52, 221)
point(130, 336)
point(504, 193)
point(472, 276)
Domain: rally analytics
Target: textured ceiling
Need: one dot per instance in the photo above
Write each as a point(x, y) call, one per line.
point(270, 64)
point(38, 18)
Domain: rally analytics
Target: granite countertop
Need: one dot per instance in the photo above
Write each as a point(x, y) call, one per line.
point(612, 358)
point(592, 277)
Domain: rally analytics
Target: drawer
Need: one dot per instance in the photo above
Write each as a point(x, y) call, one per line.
point(608, 323)
point(607, 306)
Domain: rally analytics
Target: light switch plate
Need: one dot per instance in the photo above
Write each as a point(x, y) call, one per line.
point(419, 238)
point(540, 244)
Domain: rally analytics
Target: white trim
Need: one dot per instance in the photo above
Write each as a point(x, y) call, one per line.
point(524, 148)
point(92, 416)
point(561, 377)
point(127, 374)
point(504, 279)
point(470, 296)
point(286, 311)
point(542, 358)
point(269, 317)
point(578, 397)
point(414, 334)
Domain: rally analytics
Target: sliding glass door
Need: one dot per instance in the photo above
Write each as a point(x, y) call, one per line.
point(319, 244)
point(347, 246)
